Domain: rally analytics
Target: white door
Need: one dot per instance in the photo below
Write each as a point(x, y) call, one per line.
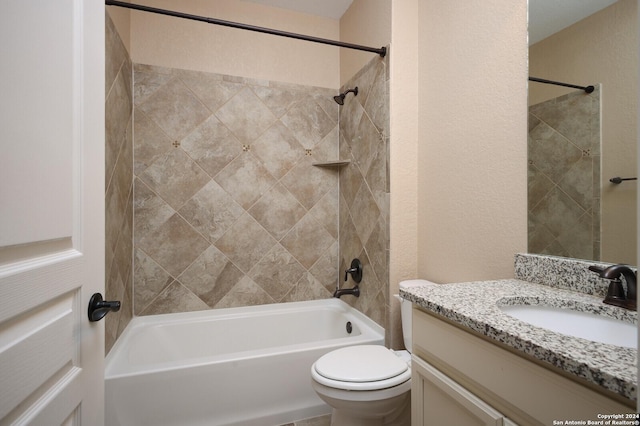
point(51, 211)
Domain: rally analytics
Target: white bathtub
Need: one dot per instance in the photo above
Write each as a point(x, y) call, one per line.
point(236, 366)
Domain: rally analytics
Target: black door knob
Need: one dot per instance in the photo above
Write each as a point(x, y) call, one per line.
point(98, 307)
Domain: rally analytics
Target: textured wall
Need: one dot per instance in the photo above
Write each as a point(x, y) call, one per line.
point(364, 188)
point(472, 183)
point(179, 43)
point(403, 154)
point(368, 23)
point(118, 182)
point(121, 18)
point(603, 48)
point(564, 176)
point(229, 210)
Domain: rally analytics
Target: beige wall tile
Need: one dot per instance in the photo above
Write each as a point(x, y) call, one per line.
point(118, 182)
point(364, 188)
point(256, 222)
point(309, 122)
point(150, 280)
point(246, 293)
point(212, 146)
point(175, 177)
point(277, 211)
point(175, 298)
point(174, 245)
point(175, 109)
point(307, 241)
point(211, 211)
point(246, 116)
point(564, 176)
point(276, 272)
point(245, 243)
point(245, 179)
point(278, 149)
point(211, 276)
point(151, 142)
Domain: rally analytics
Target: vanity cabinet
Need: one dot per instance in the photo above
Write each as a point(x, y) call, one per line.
point(438, 400)
point(462, 378)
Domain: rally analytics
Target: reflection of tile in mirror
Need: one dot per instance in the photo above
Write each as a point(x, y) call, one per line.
point(563, 176)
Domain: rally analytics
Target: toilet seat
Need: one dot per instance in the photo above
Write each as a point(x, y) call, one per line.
point(363, 367)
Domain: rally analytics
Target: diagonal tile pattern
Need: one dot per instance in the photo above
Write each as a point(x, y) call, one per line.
point(246, 179)
point(119, 153)
point(175, 177)
point(308, 121)
point(364, 187)
point(246, 116)
point(563, 176)
point(212, 146)
point(229, 210)
point(277, 211)
point(175, 109)
point(211, 211)
point(211, 276)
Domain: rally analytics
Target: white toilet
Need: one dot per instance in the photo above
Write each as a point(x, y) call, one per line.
point(368, 385)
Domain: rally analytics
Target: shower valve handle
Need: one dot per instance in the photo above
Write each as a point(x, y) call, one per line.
point(355, 271)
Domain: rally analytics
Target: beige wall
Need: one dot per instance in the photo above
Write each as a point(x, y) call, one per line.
point(457, 151)
point(472, 184)
point(179, 43)
point(368, 23)
point(121, 19)
point(602, 48)
point(403, 153)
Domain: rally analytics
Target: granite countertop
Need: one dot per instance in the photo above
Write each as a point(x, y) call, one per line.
point(475, 306)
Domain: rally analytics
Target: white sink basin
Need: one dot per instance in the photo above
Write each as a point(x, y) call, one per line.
point(586, 325)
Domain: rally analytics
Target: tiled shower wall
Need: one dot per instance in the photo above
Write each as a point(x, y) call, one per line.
point(364, 187)
point(564, 176)
point(118, 182)
point(229, 209)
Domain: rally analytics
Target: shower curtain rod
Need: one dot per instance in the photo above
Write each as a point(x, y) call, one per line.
point(381, 51)
point(587, 89)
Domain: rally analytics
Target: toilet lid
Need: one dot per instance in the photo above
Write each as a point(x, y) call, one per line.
point(373, 365)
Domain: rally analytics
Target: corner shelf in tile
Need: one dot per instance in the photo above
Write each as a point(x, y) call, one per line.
point(332, 164)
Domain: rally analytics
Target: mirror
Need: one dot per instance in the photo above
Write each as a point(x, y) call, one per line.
point(578, 141)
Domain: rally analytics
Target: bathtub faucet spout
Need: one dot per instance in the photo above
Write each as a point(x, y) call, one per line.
point(355, 291)
point(356, 273)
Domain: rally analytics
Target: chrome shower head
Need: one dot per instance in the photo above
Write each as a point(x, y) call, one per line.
point(340, 98)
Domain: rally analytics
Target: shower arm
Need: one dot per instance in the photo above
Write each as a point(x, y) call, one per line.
point(340, 98)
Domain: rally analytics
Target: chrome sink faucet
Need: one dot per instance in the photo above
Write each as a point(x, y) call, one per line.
point(615, 294)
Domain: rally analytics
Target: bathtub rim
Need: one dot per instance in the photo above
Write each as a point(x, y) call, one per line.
point(370, 330)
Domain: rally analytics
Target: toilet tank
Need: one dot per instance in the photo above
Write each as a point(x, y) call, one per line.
point(405, 310)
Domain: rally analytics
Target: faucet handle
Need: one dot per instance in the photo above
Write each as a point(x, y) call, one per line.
point(355, 271)
point(597, 269)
